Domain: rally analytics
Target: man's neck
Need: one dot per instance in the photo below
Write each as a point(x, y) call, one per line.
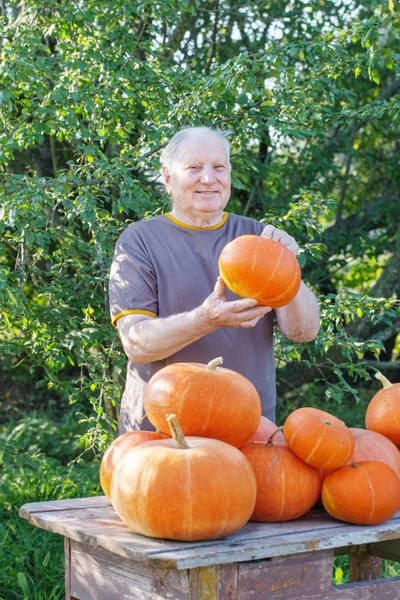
point(206, 220)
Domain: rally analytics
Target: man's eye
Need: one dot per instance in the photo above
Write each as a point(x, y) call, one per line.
point(220, 166)
point(194, 167)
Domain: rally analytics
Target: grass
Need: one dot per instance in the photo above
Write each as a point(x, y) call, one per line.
point(36, 451)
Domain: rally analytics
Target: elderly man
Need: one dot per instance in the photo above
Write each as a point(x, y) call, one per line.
point(166, 296)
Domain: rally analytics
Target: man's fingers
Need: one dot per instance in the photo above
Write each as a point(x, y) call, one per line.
point(240, 305)
point(252, 313)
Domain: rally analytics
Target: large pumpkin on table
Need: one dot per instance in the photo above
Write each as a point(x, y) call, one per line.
point(286, 486)
point(370, 445)
point(208, 400)
point(118, 448)
point(365, 493)
point(383, 412)
point(256, 267)
point(184, 489)
point(318, 438)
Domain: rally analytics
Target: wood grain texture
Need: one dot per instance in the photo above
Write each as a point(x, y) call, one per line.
point(364, 566)
point(306, 575)
point(93, 521)
point(217, 582)
point(97, 574)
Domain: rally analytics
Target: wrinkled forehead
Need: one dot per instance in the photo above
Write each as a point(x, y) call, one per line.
point(203, 149)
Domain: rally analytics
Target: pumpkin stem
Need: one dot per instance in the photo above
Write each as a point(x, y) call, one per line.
point(354, 464)
point(384, 381)
point(176, 432)
point(213, 364)
point(269, 443)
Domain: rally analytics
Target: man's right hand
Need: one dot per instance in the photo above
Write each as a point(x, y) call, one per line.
point(218, 312)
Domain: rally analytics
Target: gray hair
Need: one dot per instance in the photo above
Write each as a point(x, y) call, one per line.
point(168, 154)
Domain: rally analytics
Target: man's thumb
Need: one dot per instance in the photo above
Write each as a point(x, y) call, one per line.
point(219, 288)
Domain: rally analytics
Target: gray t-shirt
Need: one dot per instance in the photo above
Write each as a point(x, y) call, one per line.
point(163, 267)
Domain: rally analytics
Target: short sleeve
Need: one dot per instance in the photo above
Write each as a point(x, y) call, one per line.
point(132, 284)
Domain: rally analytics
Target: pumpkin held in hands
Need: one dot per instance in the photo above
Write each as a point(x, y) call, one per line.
point(383, 412)
point(209, 401)
point(119, 447)
point(365, 493)
point(256, 267)
point(318, 438)
point(184, 489)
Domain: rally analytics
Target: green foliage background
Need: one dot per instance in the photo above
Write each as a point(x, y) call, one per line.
point(89, 94)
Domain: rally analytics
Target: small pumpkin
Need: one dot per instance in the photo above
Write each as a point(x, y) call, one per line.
point(370, 445)
point(256, 267)
point(287, 487)
point(318, 438)
point(118, 448)
point(365, 493)
point(264, 431)
point(184, 488)
point(383, 411)
point(208, 400)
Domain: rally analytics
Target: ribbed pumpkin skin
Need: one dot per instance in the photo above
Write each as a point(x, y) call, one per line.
point(203, 493)
point(370, 445)
point(318, 438)
point(365, 494)
point(119, 447)
point(286, 487)
point(383, 413)
point(256, 267)
point(220, 404)
point(264, 431)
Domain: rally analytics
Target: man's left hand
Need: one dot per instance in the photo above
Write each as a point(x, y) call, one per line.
point(279, 235)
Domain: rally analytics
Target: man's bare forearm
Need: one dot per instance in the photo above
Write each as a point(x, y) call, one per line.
point(152, 339)
point(299, 320)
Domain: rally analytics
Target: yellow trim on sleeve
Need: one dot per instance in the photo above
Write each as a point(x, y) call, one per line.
point(171, 218)
point(132, 312)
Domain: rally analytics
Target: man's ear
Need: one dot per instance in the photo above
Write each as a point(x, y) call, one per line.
point(167, 178)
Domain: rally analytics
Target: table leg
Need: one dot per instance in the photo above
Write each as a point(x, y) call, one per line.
point(364, 566)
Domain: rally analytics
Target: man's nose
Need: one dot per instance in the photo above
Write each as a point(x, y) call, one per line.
point(208, 175)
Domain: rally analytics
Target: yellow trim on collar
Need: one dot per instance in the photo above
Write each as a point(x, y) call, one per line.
point(132, 312)
point(171, 218)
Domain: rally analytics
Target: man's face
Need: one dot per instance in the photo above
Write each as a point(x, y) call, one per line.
point(200, 179)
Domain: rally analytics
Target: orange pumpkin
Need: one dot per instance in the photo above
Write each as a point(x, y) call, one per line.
point(184, 489)
point(383, 412)
point(318, 438)
point(365, 493)
point(209, 401)
point(286, 486)
point(256, 267)
point(118, 449)
point(370, 445)
point(264, 431)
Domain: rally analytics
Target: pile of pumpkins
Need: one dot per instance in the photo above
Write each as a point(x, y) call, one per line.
point(214, 462)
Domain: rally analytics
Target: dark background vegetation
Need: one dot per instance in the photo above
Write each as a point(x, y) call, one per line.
point(89, 93)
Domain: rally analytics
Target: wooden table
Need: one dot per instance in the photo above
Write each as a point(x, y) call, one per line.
point(293, 560)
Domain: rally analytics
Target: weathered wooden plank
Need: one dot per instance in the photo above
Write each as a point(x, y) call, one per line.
point(102, 527)
point(381, 589)
point(301, 576)
point(389, 550)
point(58, 505)
point(100, 575)
point(217, 582)
point(231, 550)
